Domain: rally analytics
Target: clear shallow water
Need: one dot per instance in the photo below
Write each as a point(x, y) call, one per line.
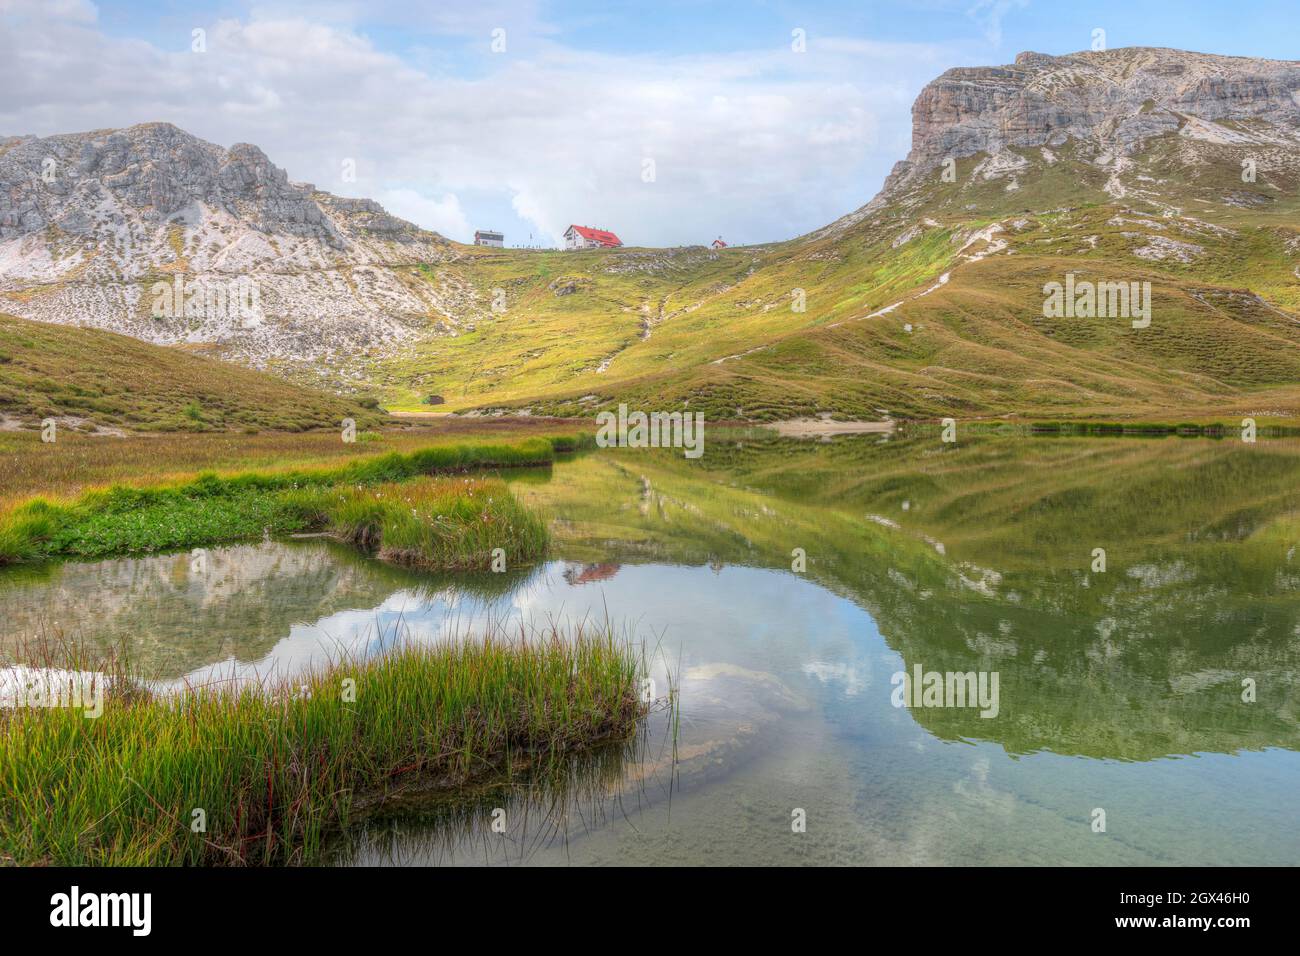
point(1119, 690)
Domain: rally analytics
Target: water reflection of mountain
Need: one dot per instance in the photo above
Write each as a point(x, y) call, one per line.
point(178, 612)
point(979, 558)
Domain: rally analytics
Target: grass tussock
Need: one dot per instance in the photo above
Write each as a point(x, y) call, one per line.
point(213, 509)
point(444, 524)
point(278, 768)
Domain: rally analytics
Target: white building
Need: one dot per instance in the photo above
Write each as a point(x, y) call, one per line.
point(484, 237)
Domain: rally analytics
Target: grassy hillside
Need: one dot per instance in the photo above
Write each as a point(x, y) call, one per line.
point(792, 329)
point(928, 302)
point(597, 322)
point(90, 378)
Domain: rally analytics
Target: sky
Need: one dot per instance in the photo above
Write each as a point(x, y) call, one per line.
point(670, 123)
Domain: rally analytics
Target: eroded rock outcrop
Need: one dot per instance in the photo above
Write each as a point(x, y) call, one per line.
point(91, 223)
point(1111, 100)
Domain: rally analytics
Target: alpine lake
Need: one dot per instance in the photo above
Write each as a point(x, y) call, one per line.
point(1100, 637)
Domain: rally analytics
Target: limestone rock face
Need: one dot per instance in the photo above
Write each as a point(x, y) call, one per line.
point(154, 170)
point(1111, 100)
point(1137, 124)
point(91, 224)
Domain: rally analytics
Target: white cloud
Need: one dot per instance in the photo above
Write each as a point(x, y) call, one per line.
point(755, 146)
point(82, 10)
point(989, 14)
point(441, 215)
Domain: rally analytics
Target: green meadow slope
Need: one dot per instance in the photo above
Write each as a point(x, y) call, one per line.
point(930, 305)
point(90, 379)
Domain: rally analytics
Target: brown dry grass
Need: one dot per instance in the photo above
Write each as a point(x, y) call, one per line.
point(77, 462)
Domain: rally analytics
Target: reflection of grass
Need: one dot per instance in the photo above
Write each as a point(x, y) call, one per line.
point(549, 800)
point(1022, 504)
point(1145, 659)
point(276, 768)
point(211, 509)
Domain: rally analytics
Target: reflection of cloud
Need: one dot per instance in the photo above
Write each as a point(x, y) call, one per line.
point(976, 788)
point(829, 672)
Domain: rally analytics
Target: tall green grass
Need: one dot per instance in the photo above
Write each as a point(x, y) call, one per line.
point(278, 768)
point(212, 509)
point(443, 523)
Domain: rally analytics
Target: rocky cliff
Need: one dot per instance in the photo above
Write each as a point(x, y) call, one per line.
point(92, 223)
point(1113, 100)
point(1168, 128)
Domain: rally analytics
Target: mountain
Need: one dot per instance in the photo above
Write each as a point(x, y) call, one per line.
point(1172, 174)
point(91, 223)
point(1105, 109)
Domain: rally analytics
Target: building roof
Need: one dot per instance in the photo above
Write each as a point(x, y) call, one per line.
point(719, 244)
point(603, 236)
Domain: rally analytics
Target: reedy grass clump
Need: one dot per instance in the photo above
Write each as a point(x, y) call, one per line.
point(212, 509)
point(437, 523)
point(279, 767)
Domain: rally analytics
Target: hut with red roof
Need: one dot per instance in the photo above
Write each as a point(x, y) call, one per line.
point(585, 237)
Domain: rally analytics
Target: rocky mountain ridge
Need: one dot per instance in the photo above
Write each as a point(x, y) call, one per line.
point(1121, 120)
point(1112, 100)
point(91, 223)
